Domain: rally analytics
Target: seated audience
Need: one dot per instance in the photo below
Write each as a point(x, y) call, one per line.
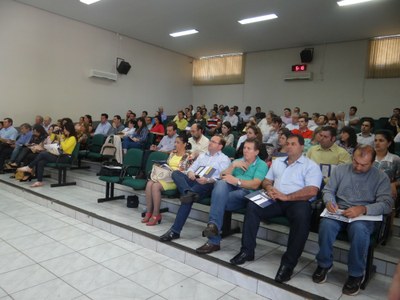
point(259, 114)
point(243, 176)
point(226, 129)
point(23, 139)
point(312, 124)
point(253, 132)
point(272, 137)
point(213, 123)
point(293, 182)
point(104, 126)
point(167, 143)
point(232, 118)
point(47, 122)
point(281, 150)
point(8, 136)
point(287, 116)
point(180, 121)
point(303, 129)
point(366, 137)
point(347, 139)
point(198, 141)
point(352, 120)
point(158, 129)
point(294, 124)
point(192, 187)
point(31, 149)
point(177, 160)
point(117, 125)
point(138, 138)
point(357, 189)
point(393, 124)
point(87, 119)
point(265, 125)
point(387, 161)
point(245, 116)
point(328, 152)
point(130, 129)
point(67, 145)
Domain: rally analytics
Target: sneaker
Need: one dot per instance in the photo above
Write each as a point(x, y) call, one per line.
point(352, 285)
point(321, 274)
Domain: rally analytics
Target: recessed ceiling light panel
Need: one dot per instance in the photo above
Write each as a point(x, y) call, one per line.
point(182, 33)
point(351, 2)
point(258, 19)
point(88, 2)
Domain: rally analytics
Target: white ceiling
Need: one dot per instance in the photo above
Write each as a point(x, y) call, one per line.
point(300, 22)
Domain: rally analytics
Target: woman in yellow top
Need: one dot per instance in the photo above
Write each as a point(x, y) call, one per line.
point(177, 160)
point(67, 138)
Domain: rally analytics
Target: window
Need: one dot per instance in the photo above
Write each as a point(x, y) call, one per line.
point(384, 57)
point(223, 69)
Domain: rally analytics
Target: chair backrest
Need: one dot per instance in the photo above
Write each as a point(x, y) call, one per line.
point(133, 160)
point(96, 143)
point(156, 155)
point(74, 154)
point(229, 151)
point(149, 141)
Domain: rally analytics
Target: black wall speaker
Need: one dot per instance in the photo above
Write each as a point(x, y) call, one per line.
point(306, 55)
point(123, 67)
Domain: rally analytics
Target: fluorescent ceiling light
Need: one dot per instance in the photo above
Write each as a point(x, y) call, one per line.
point(88, 2)
point(351, 2)
point(258, 19)
point(181, 33)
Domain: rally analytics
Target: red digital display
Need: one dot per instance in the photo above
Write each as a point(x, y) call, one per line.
point(299, 68)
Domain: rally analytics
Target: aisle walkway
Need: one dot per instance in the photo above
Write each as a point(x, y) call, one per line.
point(47, 255)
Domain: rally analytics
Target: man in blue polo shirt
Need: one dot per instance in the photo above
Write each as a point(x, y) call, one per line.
point(8, 135)
point(243, 176)
point(292, 182)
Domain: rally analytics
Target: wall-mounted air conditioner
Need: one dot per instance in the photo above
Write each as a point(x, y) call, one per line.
point(297, 76)
point(104, 75)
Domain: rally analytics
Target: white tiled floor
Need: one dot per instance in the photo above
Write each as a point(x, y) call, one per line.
point(46, 255)
point(68, 258)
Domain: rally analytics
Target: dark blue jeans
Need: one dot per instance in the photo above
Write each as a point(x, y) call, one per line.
point(358, 232)
point(42, 159)
point(184, 184)
point(299, 215)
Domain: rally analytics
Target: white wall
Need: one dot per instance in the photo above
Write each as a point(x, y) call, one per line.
point(45, 60)
point(339, 82)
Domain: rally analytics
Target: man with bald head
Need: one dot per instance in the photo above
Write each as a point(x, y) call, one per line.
point(353, 190)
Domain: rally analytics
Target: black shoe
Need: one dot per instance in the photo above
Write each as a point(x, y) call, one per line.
point(321, 274)
point(210, 231)
point(189, 197)
point(169, 236)
point(207, 248)
point(284, 273)
point(241, 258)
point(352, 285)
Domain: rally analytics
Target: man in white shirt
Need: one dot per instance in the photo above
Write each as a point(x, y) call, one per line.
point(232, 117)
point(198, 141)
point(365, 137)
point(294, 124)
point(104, 126)
point(245, 116)
point(265, 125)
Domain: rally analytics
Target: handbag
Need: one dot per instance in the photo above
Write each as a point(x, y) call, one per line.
point(161, 173)
point(112, 168)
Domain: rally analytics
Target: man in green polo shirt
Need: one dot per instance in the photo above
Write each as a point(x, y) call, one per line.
point(243, 176)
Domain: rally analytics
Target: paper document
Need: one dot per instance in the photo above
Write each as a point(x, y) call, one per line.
point(339, 216)
point(53, 148)
point(205, 171)
point(260, 198)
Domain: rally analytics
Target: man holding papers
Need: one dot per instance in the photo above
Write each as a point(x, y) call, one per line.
point(357, 189)
point(243, 176)
point(197, 183)
point(292, 182)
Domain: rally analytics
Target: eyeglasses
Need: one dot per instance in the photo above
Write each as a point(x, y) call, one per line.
point(214, 142)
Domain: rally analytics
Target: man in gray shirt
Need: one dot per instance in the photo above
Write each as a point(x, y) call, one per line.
point(167, 143)
point(353, 190)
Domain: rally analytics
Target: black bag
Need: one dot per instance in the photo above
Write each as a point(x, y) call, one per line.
point(112, 168)
point(132, 201)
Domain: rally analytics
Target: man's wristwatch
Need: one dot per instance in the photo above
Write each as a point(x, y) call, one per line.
point(239, 183)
